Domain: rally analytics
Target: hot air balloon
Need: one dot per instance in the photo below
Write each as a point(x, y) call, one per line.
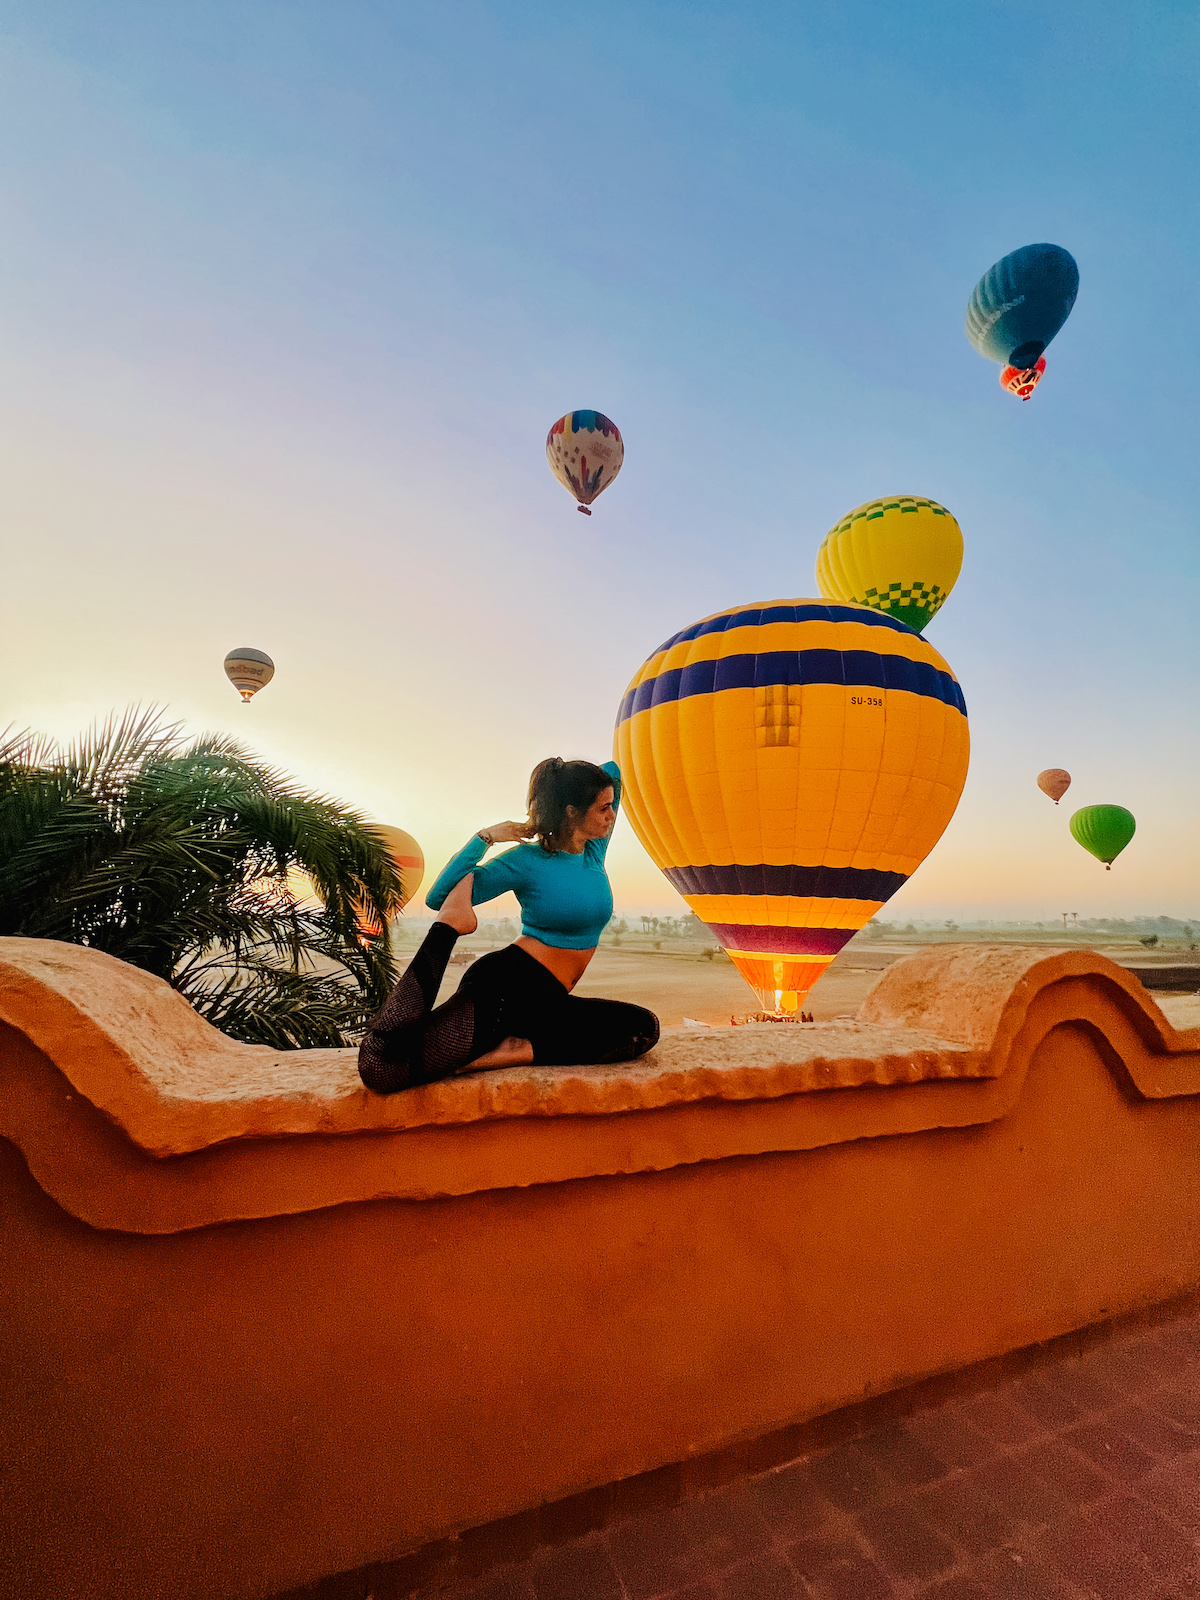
point(901, 555)
point(1104, 831)
point(409, 861)
point(249, 671)
point(788, 766)
point(585, 453)
point(408, 857)
point(1017, 307)
point(1055, 782)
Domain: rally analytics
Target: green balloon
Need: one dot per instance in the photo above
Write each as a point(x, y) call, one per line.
point(1104, 830)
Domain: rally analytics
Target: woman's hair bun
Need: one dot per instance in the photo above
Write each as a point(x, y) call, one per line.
point(556, 785)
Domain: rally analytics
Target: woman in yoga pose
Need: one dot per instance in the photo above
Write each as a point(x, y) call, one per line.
point(515, 1005)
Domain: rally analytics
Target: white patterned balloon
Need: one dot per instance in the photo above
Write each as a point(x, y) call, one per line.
point(585, 453)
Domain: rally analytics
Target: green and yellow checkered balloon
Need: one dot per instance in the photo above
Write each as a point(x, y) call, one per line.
point(901, 555)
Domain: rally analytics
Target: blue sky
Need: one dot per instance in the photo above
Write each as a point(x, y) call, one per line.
point(290, 295)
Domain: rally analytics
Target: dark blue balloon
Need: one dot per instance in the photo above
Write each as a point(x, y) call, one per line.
point(1018, 305)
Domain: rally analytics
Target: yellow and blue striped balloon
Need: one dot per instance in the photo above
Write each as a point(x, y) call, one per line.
point(788, 766)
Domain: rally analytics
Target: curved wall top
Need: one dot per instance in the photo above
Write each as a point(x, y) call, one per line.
point(134, 1114)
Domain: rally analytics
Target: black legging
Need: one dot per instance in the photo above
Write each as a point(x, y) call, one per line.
point(506, 993)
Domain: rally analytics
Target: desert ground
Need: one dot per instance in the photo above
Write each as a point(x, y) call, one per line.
point(683, 979)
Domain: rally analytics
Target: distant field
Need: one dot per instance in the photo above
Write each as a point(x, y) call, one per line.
point(679, 980)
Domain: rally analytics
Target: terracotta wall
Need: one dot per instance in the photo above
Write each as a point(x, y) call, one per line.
point(205, 1407)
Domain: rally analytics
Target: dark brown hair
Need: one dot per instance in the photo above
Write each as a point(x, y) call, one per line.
point(556, 784)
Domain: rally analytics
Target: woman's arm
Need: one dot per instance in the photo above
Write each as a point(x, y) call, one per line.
point(504, 873)
point(614, 773)
point(598, 848)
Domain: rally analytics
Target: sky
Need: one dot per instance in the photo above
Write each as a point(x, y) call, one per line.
point(290, 294)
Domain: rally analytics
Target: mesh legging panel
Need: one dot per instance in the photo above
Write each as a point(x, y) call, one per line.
point(507, 992)
point(408, 1042)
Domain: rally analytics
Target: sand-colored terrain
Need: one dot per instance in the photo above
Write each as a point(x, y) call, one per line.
point(678, 981)
point(679, 986)
point(1181, 1010)
point(681, 983)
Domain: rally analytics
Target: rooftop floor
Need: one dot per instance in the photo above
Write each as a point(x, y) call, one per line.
point(1080, 1477)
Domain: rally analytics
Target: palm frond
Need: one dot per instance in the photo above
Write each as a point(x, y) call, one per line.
point(110, 753)
point(26, 748)
point(263, 1004)
point(174, 856)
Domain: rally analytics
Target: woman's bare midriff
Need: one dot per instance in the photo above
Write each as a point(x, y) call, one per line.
point(568, 966)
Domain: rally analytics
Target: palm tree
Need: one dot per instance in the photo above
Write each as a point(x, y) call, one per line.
point(175, 856)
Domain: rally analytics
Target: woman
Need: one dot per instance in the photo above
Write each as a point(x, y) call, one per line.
point(515, 1005)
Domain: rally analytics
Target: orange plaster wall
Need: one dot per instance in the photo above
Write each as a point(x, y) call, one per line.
point(237, 1409)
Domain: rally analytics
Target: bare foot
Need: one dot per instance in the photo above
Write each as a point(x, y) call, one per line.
point(457, 909)
point(510, 1052)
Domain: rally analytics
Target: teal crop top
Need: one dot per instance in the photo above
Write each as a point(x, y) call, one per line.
point(565, 899)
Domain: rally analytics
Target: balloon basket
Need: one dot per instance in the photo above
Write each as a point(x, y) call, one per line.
point(586, 510)
point(1022, 381)
point(796, 1017)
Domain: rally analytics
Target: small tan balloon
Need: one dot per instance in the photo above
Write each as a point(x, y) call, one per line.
point(249, 671)
point(1054, 782)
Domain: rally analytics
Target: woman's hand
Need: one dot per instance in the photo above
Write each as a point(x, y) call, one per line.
point(507, 832)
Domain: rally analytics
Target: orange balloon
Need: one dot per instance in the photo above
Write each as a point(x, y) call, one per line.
point(1055, 782)
point(409, 861)
point(408, 857)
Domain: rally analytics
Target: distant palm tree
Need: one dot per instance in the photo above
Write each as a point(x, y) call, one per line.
point(174, 856)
